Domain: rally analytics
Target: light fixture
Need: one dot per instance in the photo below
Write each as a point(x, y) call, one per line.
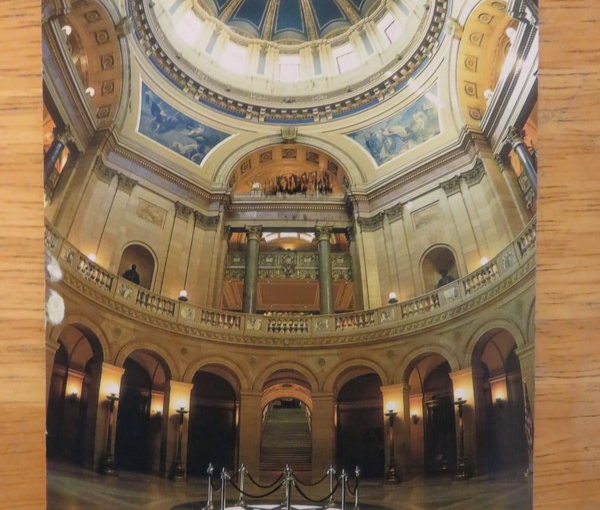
point(392, 298)
point(484, 261)
point(91, 257)
point(415, 418)
point(66, 29)
point(500, 401)
point(178, 470)
point(90, 91)
point(183, 296)
point(461, 461)
point(391, 475)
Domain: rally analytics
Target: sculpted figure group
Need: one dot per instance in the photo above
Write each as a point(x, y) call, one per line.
point(307, 182)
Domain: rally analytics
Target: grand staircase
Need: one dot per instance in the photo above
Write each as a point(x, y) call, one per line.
point(286, 440)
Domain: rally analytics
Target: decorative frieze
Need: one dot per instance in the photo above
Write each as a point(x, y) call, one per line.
point(206, 222)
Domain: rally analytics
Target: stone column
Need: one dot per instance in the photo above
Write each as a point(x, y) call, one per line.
point(390, 248)
point(323, 433)
point(250, 427)
point(526, 356)
point(467, 385)
point(517, 143)
point(395, 397)
point(50, 354)
point(251, 273)
point(356, 272)
point(325, 280)
point(179, 396)
point(61, 137)
point(109, 382)
point(513, 188)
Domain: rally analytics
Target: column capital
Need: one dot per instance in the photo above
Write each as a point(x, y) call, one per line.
point(126, 183)
point(514, 136)
point(103, 172)
point(201, 220)
point(323, 232)
point(501, 162)
point(64, 134)
point(475, 174)
point(124, 27)
point(183, 211)
point(253, 232)
point(451, 186)
point(350, 234)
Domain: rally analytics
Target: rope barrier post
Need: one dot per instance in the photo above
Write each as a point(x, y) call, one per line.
point(209, 491)
point(344, 477)
point(331, 473)
point(357, 478)
point(223, 489)
point(240, 501)
point(289, 480)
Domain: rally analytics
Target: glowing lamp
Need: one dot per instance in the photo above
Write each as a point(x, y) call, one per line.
point(90, 91)
point(392, 407)
point(91, 257)
point(460, 394)
point(66, 29)
point(484, 261)
point(392, 298)
point(183, 295)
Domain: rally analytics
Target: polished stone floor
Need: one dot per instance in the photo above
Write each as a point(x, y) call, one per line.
point(71, 488)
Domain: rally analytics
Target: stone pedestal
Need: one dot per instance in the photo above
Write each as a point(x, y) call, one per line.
point(325, 280)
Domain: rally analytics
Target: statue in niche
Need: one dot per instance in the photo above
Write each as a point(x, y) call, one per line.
point(445, 279)
point(132, 275)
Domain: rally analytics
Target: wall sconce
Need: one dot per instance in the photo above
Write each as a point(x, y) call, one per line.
point(484, 261)
point(500, 402)
point(392, 298)
point(183, 295)
point(415, 418)
point(91, 257)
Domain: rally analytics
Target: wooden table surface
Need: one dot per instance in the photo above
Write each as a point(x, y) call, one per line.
point(567, 463)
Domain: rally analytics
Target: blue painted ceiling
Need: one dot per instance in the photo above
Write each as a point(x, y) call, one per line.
point(290, 20)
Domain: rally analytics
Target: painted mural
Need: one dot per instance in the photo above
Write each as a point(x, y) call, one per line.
point(174, 130)
point(402, 131)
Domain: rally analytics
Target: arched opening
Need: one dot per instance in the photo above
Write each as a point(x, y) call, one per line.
point(499, 398)
point(141, 427)
point(212, 436)
point(359, 426)
point(143, 260)
point(73, 396)
point(286, 427)
point(432, 425)
point(438, 267)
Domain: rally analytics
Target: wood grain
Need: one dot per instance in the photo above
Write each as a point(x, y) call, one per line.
point(567, 461)
point(567, 467)
point(22, 444)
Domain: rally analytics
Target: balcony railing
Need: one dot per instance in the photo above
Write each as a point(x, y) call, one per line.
point(514, 261)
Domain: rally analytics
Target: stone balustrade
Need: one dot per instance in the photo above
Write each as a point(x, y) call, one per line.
point(508, 267)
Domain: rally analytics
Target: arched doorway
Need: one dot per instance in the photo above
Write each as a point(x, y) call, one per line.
point(432, 426)
point(438, 267)
point(359, 426)
point(212, 436)
point(141, 426)
point(144, 261)
point(286, 422)
point(73, 396)
point(499, 398)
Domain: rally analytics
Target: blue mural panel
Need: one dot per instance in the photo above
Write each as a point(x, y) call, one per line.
point(289, 17)
point(252, 12)
point(326, 12)
point(175, 130)
point(402, 131)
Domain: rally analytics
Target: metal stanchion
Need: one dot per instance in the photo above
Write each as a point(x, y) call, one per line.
point(242, 472)
point(357, 475)
point(344, 477)
point(331, 473)
point(209, 491)
point(223, 489)
point(289, 480)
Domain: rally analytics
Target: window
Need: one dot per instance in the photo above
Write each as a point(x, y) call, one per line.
point(390, 27)
point(345, 57)
point(289, 68)
point(234, 58)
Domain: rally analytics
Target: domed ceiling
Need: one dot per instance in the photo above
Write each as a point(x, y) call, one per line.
point(289, 20)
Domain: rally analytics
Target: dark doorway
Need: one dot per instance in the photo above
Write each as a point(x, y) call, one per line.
point(212, 428)
point(133, 439)
point(440, 428)
point(360, 440)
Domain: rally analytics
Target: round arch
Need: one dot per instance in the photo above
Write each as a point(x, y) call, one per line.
point(147, 275)
point(262, 378)
point(531, 323)
point(500, 323)
point(350, 369)
point(131, 347)
point(224, 368)
point(74, 320)
point(226, 169)
point(401, 375)
point(453, 266)
point(295, 391)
